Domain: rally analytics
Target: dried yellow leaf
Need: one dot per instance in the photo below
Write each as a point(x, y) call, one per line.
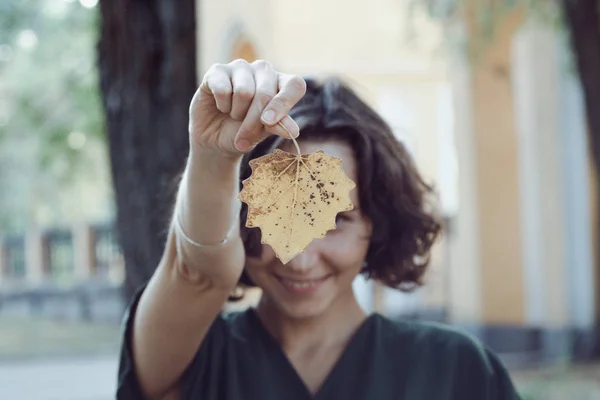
point(294, 199)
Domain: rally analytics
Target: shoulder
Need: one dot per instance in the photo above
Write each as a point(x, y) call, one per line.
point(443, 343)
point(448, 354)
point(429, 333)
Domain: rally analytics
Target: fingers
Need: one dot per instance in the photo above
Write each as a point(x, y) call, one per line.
point(272, 103)
point(291, 129)
point(244, 89)
point(257, 95)
point(266, 81)
point(291, 89)
point(217, 83)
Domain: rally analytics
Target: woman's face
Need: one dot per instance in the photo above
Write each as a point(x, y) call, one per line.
point(322, 275)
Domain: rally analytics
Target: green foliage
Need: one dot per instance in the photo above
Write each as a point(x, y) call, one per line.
point(51, 121)
point(48, 74)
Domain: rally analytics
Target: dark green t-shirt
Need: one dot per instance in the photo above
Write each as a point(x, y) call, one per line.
point(385, 359)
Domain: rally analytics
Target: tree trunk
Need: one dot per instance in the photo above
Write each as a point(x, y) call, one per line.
point(146, 55)
point(583, 20)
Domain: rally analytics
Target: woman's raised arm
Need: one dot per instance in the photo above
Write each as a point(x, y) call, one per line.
point(204, 255)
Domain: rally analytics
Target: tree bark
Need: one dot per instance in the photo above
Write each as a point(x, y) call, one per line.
point(147, 63)
point(583, 20)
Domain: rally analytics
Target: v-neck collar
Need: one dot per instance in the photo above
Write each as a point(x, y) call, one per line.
point(353, 345)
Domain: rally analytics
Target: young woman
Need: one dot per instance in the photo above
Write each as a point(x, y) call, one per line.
point(308, 338)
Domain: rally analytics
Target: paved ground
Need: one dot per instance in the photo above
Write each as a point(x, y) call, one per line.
point(53, 360)
point(27, 337)
point(90, 378)
point(560, 382)
point(94, 378)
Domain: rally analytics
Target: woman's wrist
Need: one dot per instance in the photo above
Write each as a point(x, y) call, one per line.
point(213, 160)
point(207, 206)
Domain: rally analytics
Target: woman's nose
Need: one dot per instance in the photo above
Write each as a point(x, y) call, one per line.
point(304, 261)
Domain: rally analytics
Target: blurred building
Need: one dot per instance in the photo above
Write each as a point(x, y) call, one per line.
point(503, 137)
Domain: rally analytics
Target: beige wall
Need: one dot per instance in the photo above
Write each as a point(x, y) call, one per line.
point(497, 182)
point(316, 36)
point(486, 280)
point(220, 23)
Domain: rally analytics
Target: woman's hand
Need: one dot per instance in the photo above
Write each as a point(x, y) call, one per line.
point(239, 104)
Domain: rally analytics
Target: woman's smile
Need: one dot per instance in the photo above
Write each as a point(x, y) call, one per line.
point(302, 286)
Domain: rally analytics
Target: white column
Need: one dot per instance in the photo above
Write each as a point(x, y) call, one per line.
point(545, 174)
point(83, 251)
point(464, 275)
point(579, 257)
point(34, 257)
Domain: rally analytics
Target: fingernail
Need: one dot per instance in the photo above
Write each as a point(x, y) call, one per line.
point(243, 144)
point(268, 117)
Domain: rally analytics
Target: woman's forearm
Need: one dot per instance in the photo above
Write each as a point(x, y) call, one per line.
point(191, 283)
point(208, 204)
point(207, 210)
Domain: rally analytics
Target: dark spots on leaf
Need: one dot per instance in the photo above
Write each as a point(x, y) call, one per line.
point(312, 177)
point(312, 196)
point(320, 185)
point(332, 183)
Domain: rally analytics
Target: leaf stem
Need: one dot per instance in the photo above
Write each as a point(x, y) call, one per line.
point(293, 139)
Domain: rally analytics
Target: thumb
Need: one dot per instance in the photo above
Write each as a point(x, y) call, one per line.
point(286, 128)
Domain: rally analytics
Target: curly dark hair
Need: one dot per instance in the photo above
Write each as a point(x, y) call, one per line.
point(391, 191)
